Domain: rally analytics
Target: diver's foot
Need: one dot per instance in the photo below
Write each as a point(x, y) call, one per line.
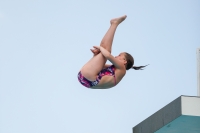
point(118, 20)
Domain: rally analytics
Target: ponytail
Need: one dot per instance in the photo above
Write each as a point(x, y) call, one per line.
point(138, 67)
point(130, 62)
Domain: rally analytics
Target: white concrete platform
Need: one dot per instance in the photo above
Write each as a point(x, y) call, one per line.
point(180, 116)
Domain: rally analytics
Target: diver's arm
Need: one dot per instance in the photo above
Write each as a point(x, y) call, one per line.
point(111, 58)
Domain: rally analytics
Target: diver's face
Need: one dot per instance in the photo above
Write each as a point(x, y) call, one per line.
point(121, 57)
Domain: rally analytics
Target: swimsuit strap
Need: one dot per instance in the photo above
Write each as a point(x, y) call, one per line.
point(114, 74)
point(114, 79)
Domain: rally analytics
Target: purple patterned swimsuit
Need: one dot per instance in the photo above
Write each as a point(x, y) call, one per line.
point(87, 83)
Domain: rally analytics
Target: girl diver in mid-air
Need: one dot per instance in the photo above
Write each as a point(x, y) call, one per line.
point(95, 73)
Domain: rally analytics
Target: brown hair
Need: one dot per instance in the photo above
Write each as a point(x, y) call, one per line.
point(130, 63)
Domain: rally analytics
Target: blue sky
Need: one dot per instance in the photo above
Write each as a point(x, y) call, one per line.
point(43, 45)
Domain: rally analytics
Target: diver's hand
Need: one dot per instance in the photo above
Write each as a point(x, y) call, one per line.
point(96, 50)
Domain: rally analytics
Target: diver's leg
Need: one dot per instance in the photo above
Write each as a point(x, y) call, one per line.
point(96, 64)
point(109, 36)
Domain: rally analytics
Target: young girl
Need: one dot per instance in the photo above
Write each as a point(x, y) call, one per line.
point(95, 73)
